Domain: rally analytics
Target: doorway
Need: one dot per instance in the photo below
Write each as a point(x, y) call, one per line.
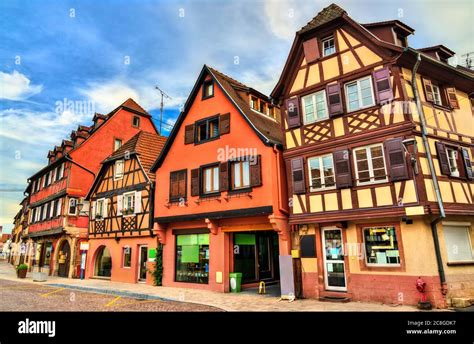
point(64, 257)
point(143, 255)
point(334, 265)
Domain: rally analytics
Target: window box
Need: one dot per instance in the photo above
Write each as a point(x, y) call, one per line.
point(129, 211)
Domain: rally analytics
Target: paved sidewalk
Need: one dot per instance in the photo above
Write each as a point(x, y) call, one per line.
point(246, 301)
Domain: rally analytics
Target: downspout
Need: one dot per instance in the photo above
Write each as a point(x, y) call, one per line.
point(77, 164)
point(442, 214)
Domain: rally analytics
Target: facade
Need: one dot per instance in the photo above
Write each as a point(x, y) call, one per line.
point(363, 169)
point(58, 214)
point(19, 232)
point(121, 238)
point(220, 203)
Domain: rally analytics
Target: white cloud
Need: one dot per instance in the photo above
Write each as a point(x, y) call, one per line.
point(16, 86)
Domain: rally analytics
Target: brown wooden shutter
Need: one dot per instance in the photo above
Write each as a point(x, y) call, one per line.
point(182, 183)
point(224, 176)
point(224, 124)
point(342, 168)
point(256, 170)
point(398, 168)
point(297, 174)
point(189, 134)
point(443, 158)
point(311, 50)
point(467, 163)
point(333, 93)
point(174, 191)
point(452, 99)
point(293, 113)
point(195, 182)
point(428, 90)
point(383, 86)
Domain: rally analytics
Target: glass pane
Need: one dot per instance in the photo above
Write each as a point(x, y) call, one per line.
point(377, 163)
point(376, 151)
point(246, 172)
point(316, 183)
point(207, 183)
point(216, 179)
point(308, 108)
point(381, 245)
point(237, 177)
point(329, 181)
point(333, 245)
point(362, 165)
point(364, 176)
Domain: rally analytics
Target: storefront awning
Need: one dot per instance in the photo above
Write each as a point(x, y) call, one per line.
point(46, 233)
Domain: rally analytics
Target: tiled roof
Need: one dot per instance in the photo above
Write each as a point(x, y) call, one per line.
point(147, 145)
point(325, 16)
point(267, 126)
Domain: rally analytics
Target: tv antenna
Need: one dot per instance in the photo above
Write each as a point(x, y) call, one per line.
point(468, 61)
point(163, 95)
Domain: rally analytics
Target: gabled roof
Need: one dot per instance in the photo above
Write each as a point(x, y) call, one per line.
point(266, 128)
point(326, 15)
point(396, 22)
point(439, 47)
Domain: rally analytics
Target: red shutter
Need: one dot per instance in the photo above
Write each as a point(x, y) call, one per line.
point(189, 134)
point(333, 93)
point(224, 124)
point(452, 99)
point(297, 174)
point(383, 86)
point(443, 158)
point(428, 90)
point(342, 168)
point(256, 170)
point(467, 163)
point(311, 50)
point(195, 182)
point(398, 168)
point(293, 113)
point(224, 176)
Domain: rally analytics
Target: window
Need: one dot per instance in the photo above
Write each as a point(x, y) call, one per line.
point(44, 181)
point(136, 121)
point(58, 207)
point(254, 103)
point(321, 172)
point(308, 246)
point(262, 107)
point(48, 178)
point(59, 172)
point(178, 185)
point(359, 94)
point(103, 263)
point(127, 257)
point(192, 258)
point(99, 209)
point(33, 186)
point(207, 129)
point(436, 95)
point(400, 40)
point(328, 46)
point(44, 212)
point(51, 209)
point(370, 164)
point(210, 180)
point(240, 174)
point(458, 243)
point(207, 89)
point(118, 170)
point(315, 107)
point(452, 154)
point(128, 207)
point(117, 144)
point(381, 246)
point(72, 206)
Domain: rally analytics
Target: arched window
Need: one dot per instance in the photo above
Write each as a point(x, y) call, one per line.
point(103, 263)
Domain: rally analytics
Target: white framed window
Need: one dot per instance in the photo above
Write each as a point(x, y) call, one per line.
point(315, 107)
point(72, 209)
point(117, 144)
point(127, 257)
point(48, 178)
point(51, 209)
point(458, 243)
point(99, 209)
point(436, 94)
point(128, 203)
point(359, 94)
point(37, 214)
point(329, 46)
point(452, 154)
point(58, 206)
point(210, 179)
point(60, 172)
point(118, 169)
point(321, 172)
point(44, 181)
point(33, 186)
point(370, 164)
point(240, 174)
point(44, 212)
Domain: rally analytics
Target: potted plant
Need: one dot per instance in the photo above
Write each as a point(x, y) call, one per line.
point(98, 217)
point(21, 270)
point(128, 211)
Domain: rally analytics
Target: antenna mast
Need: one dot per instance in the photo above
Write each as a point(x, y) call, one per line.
point(163, 95)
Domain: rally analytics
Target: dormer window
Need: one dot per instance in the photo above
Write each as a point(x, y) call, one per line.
point(118, 170)
point(400, 40)
point(207, 89)
point(329, 46)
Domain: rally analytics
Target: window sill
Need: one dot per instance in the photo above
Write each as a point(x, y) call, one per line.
point(316, 121)
point(323, 189)
point(461, 263)
point(207, 97)
point(372, 183)
point(205, 141)
point(351, 112)
point(442, 107)
point(239, 191)
point(209, 195)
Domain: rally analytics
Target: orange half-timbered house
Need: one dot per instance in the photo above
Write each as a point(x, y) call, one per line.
point(381, 189)
point(120, 223)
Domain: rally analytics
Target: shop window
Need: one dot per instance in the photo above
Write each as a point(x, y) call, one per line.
point(370, 164)
point(118, 169)
point(381, 246)
point(321, 171)
point(192, 258)
point(308, 246)
point(329, 46)
point(207, 129)
point(72, 207)
point(103, 264)
point(210, 180)
point(315, 107)
point(127, 257)
point(359, 94)
point(458, 243)
point(207, 89)
point(240, 173)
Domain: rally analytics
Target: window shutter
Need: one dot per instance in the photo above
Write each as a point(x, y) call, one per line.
point(60, 204)
point(224, 124)
point(138, 202)
point(443, 158)
point(224, 176)
point(428, 90)
point(293, 113)
point(105, 212)
point(93, 210)
point(396, 159)
point(256, 171)
point(297, 174)
point(311, 50)
point(195, 187)
point(452, 99)
point(383, 86)
point(119, 204)
point(182, 180)
point(174, 188)
point(51, 209)
point(189, 134)
point(333, 93)
point(467, 163)
point(342, 168)
point(48, 210)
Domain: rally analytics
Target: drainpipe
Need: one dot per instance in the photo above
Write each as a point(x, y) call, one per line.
point(442, 214)
point(77, 164)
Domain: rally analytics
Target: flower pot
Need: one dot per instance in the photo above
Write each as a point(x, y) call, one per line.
point(21, 273)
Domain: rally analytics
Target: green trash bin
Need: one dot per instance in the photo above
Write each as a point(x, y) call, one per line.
point(235, 282)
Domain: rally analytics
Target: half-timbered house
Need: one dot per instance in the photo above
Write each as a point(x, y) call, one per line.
point(379, 166)
point(120, 223)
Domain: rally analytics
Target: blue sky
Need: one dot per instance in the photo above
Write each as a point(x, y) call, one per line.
point(103, 52)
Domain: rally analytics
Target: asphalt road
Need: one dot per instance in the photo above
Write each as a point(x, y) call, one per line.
point(16, 296)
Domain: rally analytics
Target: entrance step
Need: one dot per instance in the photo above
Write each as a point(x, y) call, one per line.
point(341, 299)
